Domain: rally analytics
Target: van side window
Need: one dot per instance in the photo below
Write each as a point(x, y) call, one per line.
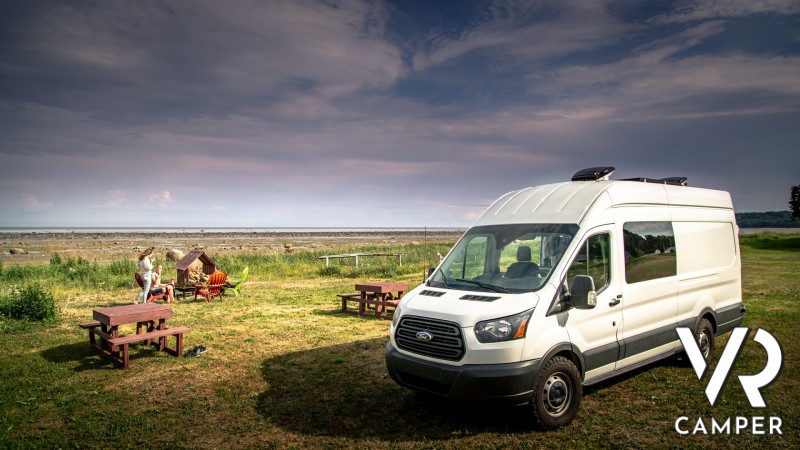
point(593, 259)
point(649, 251)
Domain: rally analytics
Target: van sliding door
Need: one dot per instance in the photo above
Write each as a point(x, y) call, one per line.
point(650, 285)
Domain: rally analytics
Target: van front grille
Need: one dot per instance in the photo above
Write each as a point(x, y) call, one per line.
point(430, 337)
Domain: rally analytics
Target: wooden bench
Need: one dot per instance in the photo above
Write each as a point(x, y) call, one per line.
point(90, 326)
point(356, 297)
point(161, 335)
point(112, 348)
point(364, 302)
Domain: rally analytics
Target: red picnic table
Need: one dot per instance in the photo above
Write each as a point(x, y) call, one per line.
point(151, 316)
point(380, 294)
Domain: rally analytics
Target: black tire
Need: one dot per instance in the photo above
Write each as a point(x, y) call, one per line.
point(704, 335)
point(557, 393)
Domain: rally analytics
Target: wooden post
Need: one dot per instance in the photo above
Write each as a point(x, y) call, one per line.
point(356, 260)
point(399, 260)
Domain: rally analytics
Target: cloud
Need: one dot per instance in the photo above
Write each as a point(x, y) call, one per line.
point(694, 87)
point(114, 199)
point(315, 108)
point(662, 79)
point(513, 30)
point(695, 10)
point(201, 59)
point(161, 200)
point(31, 203)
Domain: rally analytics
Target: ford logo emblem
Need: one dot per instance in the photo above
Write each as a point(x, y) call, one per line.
point(424, 336)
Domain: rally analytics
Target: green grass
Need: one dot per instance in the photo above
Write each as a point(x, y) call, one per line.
point(284, 369)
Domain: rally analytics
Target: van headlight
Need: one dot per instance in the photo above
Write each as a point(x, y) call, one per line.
point(504, 328)
point(396, 316)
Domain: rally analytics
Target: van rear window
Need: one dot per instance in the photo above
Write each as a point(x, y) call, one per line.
point(649, 251)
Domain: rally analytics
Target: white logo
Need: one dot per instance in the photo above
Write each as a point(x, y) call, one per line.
point(750, 383)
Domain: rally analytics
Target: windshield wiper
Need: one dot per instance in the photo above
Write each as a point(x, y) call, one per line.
point(484, 285)
point(444, 279)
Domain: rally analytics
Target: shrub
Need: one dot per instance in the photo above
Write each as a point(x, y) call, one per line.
point(55, 260)
point(33, 303)
point(771, 241)
point(73, 269)
point(23, 273)
point(122, 267)
point(330, 270)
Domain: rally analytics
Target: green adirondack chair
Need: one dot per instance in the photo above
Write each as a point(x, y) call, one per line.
point(236, 285)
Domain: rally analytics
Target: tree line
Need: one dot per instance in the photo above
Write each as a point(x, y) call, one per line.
point(769, 219)
point(774, 219)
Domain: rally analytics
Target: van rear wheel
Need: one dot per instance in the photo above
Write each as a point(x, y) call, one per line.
point(704, 337)
point(557, 393)
point(704, 333)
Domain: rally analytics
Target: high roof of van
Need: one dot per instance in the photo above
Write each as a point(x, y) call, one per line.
point(569, 202)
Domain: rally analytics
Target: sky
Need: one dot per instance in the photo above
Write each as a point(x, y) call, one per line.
point(355, 113)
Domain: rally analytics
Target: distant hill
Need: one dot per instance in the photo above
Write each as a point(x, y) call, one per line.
point(769, 219)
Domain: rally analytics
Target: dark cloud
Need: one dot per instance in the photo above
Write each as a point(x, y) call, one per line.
point(307, 112)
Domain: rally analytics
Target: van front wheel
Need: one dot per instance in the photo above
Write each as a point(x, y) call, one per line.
point(557, 393)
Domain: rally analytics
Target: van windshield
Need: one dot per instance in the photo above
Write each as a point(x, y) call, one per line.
point(504, 258)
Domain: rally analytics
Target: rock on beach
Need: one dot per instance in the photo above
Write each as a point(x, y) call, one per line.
point(174, 254)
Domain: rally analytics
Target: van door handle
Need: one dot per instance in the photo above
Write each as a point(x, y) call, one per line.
point(616, 301)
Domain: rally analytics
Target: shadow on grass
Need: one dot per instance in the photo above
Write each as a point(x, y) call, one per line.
point(77, 352)
point(87, 358)
point(352, 312)
point(345, 391)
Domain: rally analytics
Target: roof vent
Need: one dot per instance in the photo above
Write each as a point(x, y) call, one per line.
point(675, 181)
point(678, 181)
point(593, 174)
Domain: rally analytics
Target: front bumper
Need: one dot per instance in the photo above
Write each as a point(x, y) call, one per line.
point(510, 383)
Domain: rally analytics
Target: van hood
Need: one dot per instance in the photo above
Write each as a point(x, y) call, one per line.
point(464, 307)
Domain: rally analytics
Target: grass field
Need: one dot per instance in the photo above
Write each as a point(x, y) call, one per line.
point(284, 369)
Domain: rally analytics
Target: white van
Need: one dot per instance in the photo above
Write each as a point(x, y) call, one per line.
point(564, 285)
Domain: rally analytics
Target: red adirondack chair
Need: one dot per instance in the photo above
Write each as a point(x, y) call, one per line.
point(155, 292)
point(214, 287)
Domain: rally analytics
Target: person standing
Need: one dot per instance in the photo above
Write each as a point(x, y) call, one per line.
point(145, 268)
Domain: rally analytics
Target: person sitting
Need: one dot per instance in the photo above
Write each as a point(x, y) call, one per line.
point(170, 287)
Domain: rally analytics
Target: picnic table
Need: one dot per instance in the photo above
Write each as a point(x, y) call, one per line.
point(105, 338)
point(380, 295)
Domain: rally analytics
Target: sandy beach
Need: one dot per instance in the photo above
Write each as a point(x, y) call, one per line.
point(38, 247)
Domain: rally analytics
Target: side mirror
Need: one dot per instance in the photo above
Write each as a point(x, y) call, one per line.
point(430, 271)
point(583, 293)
